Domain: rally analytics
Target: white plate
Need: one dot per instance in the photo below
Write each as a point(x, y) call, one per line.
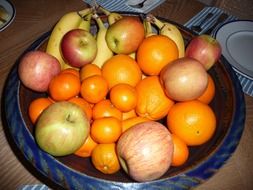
point(236, 39)
point(11, 12)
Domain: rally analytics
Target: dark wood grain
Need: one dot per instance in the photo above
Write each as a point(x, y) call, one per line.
point(33, 18)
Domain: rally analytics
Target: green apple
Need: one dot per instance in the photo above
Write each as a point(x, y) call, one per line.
point(125, 35)
point(62, 128)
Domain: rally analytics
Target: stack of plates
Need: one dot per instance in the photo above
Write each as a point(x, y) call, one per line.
point(236, 39)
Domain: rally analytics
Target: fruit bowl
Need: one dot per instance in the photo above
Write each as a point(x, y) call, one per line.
point(73, 172)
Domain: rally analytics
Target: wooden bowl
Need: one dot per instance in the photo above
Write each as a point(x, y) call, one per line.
point(73, 172)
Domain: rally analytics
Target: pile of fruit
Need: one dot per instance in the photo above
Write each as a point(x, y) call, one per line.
point(108, 90)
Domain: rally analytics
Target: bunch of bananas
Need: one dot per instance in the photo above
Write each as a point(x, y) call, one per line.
point(82, 20)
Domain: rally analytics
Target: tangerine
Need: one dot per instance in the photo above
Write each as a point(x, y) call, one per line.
point(86, 149)
point(105, 108)
point(94, 88)
point(209, 93)
point(126, 124)
point(192, 121)
point(89, 70)
point(180, 151)
point(84, 105)
point(121, 69)
point(129, 114)
point(71, 71)
point(105, 159)
point(64, 86)
point(106, 130)
point(155, 52)
point(36, 107)
point(124, 97)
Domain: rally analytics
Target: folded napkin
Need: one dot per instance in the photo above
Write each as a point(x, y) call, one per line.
point(246, 83)
point(197, 19)
point(33, 187)
point(124, 5)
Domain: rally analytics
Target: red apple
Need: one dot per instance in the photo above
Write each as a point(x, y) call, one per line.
point(36, 69)
point(184, 79)
point(78, 47)
point(62, 128)
point(205, 49)
point(125, 35)
point(145, 151)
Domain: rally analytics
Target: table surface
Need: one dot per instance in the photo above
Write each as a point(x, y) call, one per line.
point(33, 18)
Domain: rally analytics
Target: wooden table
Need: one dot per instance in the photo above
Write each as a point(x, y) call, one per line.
point(33, 18)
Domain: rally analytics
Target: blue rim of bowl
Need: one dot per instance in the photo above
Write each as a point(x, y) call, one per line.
point(72, 179)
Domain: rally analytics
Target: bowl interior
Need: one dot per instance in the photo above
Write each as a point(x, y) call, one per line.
point(222, 104)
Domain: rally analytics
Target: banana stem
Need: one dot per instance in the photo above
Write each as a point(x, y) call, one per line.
point(99, 21)
point(147, 27)
point(105, 11)
point(84, 12)
point(155, 21)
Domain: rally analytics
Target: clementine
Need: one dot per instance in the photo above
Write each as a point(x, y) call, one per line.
point(180, 153)
point(121, 69)
point(106, 130)
point(124, 97)
point(94, 88)
point(86, 149)
point(89, 70)
point(209, 93)
point(84, 105)
point(105, 108)
point(64, 86)
point(105, 159)
point(36, 107)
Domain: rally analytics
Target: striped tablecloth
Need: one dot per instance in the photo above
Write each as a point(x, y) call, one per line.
point(246, 83)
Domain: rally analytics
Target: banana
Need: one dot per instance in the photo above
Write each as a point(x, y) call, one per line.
point(171, 31)
point(111, 16)
point(67, 22)
point(148, 27)
point(103, 52)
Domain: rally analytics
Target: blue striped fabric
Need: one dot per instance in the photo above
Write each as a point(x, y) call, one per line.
point(121, 5)
point(246, 83)
point(33, 187)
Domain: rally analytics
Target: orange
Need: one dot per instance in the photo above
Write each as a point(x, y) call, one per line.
point(105, 159)
point(123, 97)
point(152, 102)
point(129, 114)
point(180, 153)
point(106, 130)
point(64, 86)
point(36, 107)
point(94, 88)
point(192, 121)
point(209, 93)
point(121, 69)
point(155, 52)
point(86, 149)
point(89, 70)
point(84, 105)
point(71, 71)
point(132, 121)
point(105, 108)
